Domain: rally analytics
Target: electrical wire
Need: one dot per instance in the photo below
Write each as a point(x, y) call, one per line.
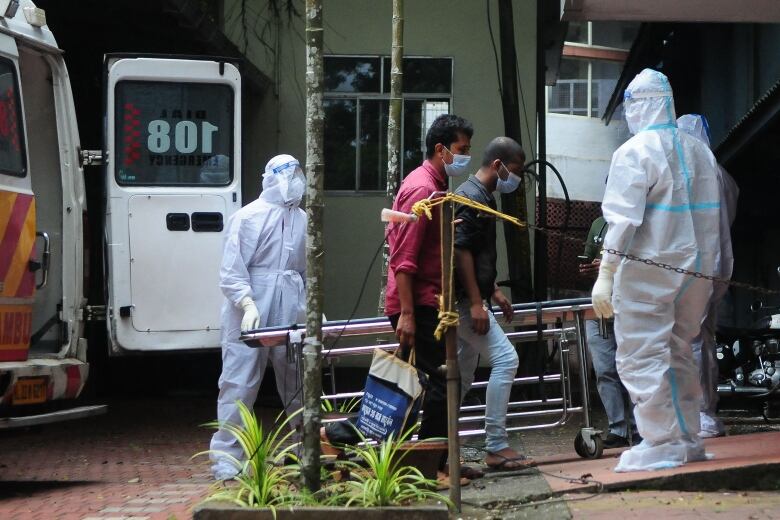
point(517, 72)
point(581, 479)
point(495, 51)
point(567, 215)
point(525, 110)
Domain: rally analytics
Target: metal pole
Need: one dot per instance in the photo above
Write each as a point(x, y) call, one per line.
point(312, 346)
point(582, 353)
point(450, 339)
point(540, 240)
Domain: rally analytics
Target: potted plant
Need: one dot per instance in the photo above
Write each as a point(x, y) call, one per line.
point(265, 487)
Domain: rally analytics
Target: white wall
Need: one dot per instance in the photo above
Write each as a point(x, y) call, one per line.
point(581, 148)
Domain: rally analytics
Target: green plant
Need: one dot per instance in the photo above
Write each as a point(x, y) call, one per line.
point(380, 479)
point(262, 479)
point(343, 407)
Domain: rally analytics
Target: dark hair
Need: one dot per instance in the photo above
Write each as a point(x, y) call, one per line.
point(445, 130)
point(504, 148)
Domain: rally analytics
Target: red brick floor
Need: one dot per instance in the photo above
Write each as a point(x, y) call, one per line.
point(737, 451)
point(134, 463)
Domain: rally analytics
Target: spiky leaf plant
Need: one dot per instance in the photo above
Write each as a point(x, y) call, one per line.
point(381, 479)
point(262, 479)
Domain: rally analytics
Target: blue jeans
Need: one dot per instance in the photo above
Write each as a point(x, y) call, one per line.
point(613, 394)
point(503, 363)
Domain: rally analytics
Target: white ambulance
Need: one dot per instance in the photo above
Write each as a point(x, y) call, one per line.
point(170, 156)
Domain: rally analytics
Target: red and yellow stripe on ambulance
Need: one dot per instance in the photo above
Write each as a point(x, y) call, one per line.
point(17, 281)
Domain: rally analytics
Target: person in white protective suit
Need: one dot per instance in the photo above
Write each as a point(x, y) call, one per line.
point(662, 202)
point(704, 344)
point(262, 274)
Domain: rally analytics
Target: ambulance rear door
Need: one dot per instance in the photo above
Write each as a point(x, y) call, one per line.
point(172, 149)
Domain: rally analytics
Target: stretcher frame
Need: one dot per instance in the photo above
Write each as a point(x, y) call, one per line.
point(560, 321)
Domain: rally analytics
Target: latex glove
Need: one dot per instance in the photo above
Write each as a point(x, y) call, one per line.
point(602, 291)
point(251, 319)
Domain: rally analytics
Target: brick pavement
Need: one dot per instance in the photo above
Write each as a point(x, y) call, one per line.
point(133, 463)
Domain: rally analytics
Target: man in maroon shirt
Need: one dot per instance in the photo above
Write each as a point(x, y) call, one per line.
point(414, 276)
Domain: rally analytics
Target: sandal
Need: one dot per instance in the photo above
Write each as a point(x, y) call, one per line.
point(469, 472)
point(512, 463)
point(443, 481)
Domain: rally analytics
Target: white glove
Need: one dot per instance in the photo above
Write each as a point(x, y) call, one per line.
point(602, 291)
point(251, 319)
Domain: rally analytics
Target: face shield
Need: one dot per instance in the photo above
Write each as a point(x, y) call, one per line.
point(695, 125)
point(283, 181)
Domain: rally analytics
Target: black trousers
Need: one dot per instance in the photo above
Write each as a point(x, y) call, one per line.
point(430, 356)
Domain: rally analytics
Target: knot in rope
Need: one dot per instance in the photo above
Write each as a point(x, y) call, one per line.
point(447, 318)
point(423, 206)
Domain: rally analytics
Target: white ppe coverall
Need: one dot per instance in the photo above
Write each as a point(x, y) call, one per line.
point(662, 203)
point(264, 259)
point(704, 348)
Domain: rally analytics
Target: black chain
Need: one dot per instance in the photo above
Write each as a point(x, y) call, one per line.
point(667, 267)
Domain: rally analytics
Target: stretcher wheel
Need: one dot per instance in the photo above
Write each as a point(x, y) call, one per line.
point(589, 452)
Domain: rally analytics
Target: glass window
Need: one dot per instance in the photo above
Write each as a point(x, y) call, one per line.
point(372, 138)
point(577, 32)
point(356, 115)
point(418, 117)
point(348, 74)
point(423, 75)
point(619, 35)
point(12, 156)
point(604, 78)
point(340, 143)
point(173, 134)
point(570, 93)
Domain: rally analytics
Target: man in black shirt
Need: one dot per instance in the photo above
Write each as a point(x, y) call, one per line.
point(475, 263)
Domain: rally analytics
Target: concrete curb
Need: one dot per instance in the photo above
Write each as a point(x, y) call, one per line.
point(216, 511)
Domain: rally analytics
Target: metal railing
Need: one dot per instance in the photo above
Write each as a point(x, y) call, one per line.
point(567, 318)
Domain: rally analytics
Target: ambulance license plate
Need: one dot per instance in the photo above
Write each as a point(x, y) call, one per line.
point(30, 390)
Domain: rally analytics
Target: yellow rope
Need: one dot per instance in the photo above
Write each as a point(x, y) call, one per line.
point(447, 317)
point(424, 207)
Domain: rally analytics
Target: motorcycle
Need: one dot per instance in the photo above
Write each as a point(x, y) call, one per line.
point(749, 361)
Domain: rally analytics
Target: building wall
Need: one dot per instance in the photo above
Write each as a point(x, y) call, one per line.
point(436, 28)
point(581, 148)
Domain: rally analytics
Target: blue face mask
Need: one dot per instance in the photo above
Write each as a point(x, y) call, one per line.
point(509, 185)
point(459, 164)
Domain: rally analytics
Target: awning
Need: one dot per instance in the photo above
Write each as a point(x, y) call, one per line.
point(645, 52)
point(727, 11)
point(761, 116)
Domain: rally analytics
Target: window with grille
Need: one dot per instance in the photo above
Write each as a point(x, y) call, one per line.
point(356, 105)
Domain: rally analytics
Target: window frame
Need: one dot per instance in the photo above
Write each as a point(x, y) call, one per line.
point(385, 96)
point(231, 148)
point(589, 61)
point(20, 123)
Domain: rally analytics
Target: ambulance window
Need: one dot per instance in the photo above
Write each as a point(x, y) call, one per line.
point(173, 134)
point(12, 157)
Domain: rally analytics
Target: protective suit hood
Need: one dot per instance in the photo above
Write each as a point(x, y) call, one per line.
point(283, 181)
point(648, 102)
point(695, 125)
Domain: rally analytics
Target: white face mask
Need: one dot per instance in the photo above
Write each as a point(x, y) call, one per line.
point(459, 164)
point(292, 187)
point(508, 185)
